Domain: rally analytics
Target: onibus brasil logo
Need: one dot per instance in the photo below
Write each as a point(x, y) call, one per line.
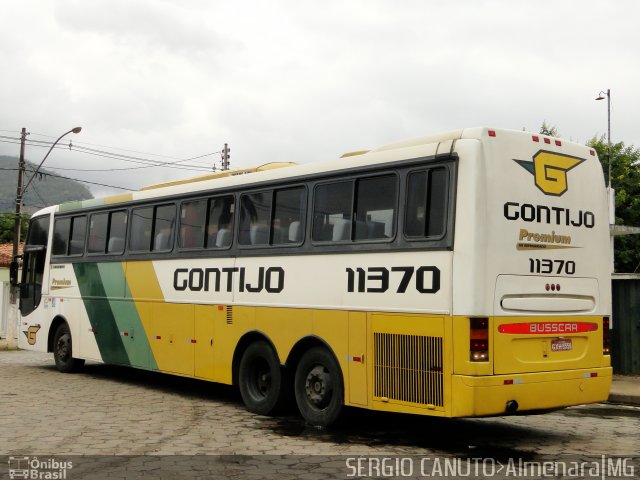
point(549, 170)
point(38, 468)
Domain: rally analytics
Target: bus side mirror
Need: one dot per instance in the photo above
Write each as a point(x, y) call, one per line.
point(13, 271)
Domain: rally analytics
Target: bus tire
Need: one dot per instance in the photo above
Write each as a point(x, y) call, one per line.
point(62, 351)
point(260, 379)
point(318, 386)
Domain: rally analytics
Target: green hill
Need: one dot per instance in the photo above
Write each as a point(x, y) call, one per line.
point(43, 191)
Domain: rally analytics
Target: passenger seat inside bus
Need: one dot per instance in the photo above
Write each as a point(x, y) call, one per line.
point(115, 245)
point(341, 229)
point(259, 234)
point(223, 238)
point(295, 232)
point(162, 241)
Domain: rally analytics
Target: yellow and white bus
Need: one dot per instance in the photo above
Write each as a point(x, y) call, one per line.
point(455, 275)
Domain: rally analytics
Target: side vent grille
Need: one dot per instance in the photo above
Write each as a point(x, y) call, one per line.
point(408, 368)
point(229, 315)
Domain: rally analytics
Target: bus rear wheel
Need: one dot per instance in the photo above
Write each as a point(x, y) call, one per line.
point(63, 351)
point(318, 387)
point(260, 379)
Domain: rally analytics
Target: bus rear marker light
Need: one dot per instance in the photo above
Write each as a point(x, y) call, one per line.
point(606, 336)
point(479, 339)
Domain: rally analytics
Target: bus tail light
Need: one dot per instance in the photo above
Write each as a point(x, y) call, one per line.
point(479, 339)
point(606, 336)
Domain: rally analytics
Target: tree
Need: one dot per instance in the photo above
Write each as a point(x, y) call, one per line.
point(549, 130)
point(7, 222)
point(625, 179)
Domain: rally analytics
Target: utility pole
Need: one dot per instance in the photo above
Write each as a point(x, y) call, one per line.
point(18, 217)
point(226, 154)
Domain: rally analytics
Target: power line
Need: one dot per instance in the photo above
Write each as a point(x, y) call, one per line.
point(115, 156)
point(74, 179)
point(86, 181)
point(80, 145)
point(176, 164)
point(107, 146)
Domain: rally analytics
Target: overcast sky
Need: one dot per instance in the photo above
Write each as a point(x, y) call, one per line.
point(303, 80)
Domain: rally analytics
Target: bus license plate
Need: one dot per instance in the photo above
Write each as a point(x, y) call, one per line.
point(561, 345)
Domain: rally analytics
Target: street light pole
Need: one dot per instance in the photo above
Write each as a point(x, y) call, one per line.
point(611, 195)
point(600, 97)
point(21, 190)
point(18, 219)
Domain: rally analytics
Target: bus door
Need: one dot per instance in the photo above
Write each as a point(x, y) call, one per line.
point(34, 256)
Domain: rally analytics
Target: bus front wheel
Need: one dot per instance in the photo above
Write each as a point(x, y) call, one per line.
point(62, 351)
point(260, 379)
point(318, 387)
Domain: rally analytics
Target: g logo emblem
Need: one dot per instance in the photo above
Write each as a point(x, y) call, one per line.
point(30, 333)
point(550, 171)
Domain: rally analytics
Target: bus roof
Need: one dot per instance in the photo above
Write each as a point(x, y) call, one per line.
point(411, 148)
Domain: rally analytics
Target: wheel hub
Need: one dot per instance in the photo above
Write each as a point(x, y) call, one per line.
point(63, 347)
point(318, 386)
point(264, 382)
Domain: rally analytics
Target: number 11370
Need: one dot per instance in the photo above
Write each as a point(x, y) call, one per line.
point(546, 265)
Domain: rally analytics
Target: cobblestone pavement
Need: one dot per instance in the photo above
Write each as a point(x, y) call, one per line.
point(110, 410)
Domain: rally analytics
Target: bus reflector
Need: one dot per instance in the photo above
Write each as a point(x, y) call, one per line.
point(535, 138)
point(558, 143)
point(547, 140)
point(508, 382)
point(479, 339)
point(606, 336)
point(492, 133)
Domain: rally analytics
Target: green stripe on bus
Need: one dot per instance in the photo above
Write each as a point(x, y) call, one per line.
point(107, 334)
point(136, 342)
point(94, 202)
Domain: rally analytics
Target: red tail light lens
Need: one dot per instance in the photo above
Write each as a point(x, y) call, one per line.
point(479, 339)
point(606, 336)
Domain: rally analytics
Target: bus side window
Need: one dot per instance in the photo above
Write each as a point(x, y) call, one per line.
point(426, 206)
point(376, 201)
point(117, 232)
point(220, 224)
point(332, 211)
point(141, 225)
point(68, 235)
point(78, 234)
point(288, 216)
point(164, 222)
point(61, 229)
point(255, 213)
point(98, 233)
point(193, 219)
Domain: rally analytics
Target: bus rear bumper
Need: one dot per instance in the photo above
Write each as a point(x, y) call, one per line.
point(508, 394)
